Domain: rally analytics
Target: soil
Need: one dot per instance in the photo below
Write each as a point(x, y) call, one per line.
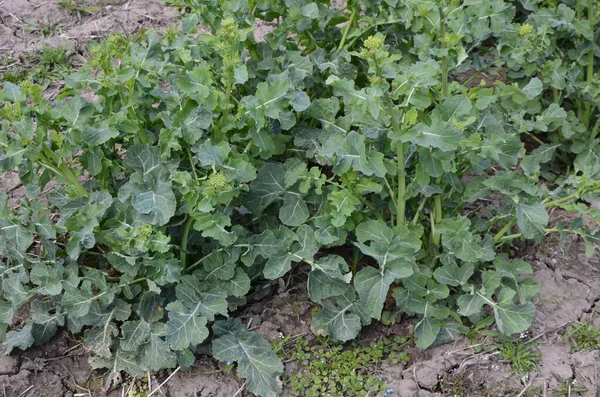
point(570, 283)
point(25, 25)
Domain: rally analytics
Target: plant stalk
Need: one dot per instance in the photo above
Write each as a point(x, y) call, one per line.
point(64, 171)
point(347, 30)
point(184, 241)
point(401, 192)
point(587, 115)
point(504, 230)
point(437, 200)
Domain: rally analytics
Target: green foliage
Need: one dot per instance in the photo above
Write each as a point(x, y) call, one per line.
point(585, 336)
point(207, 166)
point(335, 371)
point(523, 357)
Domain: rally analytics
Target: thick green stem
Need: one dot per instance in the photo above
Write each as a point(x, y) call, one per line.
point(347, 30)
point(64, 171)
point(445, 57)
point(401, 201)
point(590, 71)
point(504, 230)
point(355, 254)
point(437, 200)
point(438, 217)
point(421, 206)
point(184, 241)
point(401, 192)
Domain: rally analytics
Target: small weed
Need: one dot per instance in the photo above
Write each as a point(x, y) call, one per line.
point(569, 388)
point(523, 357)
point(585, 336)
point(40, 67)
point(69, 5)
point(335, 371)
point(77, 7)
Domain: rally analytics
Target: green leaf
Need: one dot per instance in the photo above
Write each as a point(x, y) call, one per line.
point(453, 275)
point(156, 354)
point(372, 287)
point(142, 158)
point(294, 211)
point(94, 136)
point(532, 218)
point(533, 89)
point(458, 239)
point(45, 323)
point(185, 327)
point(266, 188)
point(327, 278)
point(343, 204)
point(337, 323)
point(158, 204)
point(512, 319)
point(256, 361)
point(393, 248)
point(21, 339)
point(213, 225)
point(100, 339)
point(426, 332)
point(119, 362)
point(542, 154)
point(240, 74)
point(150, 308)
point(443, 132)
point(351, 153)
point(135, 334)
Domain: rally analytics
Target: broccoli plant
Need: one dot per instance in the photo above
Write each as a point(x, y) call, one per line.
point(206, 165)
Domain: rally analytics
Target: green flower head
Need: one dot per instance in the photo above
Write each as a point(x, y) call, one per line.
point(371, 45)
point(217, 181)
point(525, 29)
point(229, 30)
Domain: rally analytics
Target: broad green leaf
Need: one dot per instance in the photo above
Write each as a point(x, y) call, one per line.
point(393, 248)
point(21, 339)
point(372, 287)
point(94, 136)
point(294, 211)
point(156, 354)
point(256, 361)
point(343, 204)
point(214, 225)
point(135, 333)
point(337, 323)
point(158, 204)
point(100, 339)
point(458, 239)
point(426, 332)
point(532, 218)
point(533, 88)
point(267, 187)
point(453, 275)
point(542, 154)
point(45, 323)
point(469, 305)
point(327, 278)
point(185, 327)
point(119, 362)
point(351, 153)
point(151, 307)
point(142, 158)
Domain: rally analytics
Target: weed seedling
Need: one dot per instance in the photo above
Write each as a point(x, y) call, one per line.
point(585, 337)
point(523, 357)
point(335, 371)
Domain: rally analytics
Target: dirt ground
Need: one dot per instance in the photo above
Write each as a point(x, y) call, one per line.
point(570, 283)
